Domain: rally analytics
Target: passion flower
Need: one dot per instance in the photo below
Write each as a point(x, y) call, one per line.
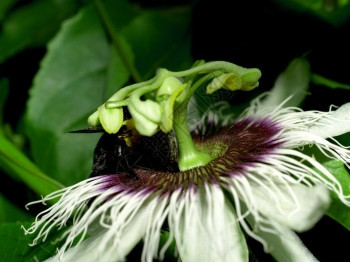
point(250, 177)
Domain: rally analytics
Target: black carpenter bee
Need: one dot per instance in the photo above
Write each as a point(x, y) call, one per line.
point(113, 154)
point(127, 150)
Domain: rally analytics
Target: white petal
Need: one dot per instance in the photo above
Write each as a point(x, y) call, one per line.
point(334, 124)
point(293, 81)
point(79, 253)
point(284, 245)
point(206, 229)
point(297, 206)
point(91, 249)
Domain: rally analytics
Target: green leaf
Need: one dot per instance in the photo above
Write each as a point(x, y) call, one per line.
point(170, 253)
point(70, 85)
point(4, 90)
point(122, 14)
point(338, 211)
point(33, 24)
point(5, 5)
point(159, 39)
point(156, 38)
point(72, 81)
point(11, 213)
point(117, 73)
point(15, 163)
point(344, 139)
point(333, 12)
point(14, 244)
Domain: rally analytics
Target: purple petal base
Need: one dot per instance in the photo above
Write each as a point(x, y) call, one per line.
point(244, 143)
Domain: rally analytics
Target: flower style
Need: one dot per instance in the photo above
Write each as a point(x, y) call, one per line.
point(254, 180)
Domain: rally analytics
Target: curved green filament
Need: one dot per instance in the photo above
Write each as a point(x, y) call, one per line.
point(116, 104)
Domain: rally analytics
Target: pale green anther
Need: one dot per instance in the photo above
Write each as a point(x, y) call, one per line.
point(111, 119)
point(93, 119)
point(246, 81)
point(230, 81)
point(143, 125)
point(250, 79)
point(169, 86)
point(146, 114)
point(149, 109)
